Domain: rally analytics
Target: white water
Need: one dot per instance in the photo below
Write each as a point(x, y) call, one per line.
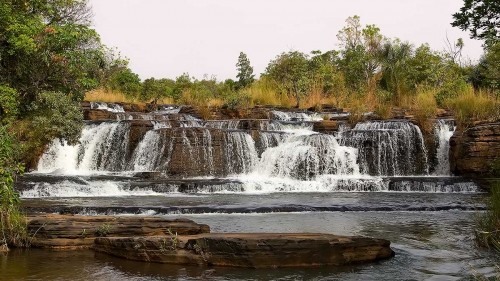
point(443, 130)
point(296, 159)
point(295, 116)
point(112, 107)
point(101, 148)
point(89, 189)
point(388, 148)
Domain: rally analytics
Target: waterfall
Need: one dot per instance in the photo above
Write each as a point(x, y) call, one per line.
point(112, 107)
point(241, 155)
point(101, 147)
point(148, 154)
point(307, 156)
point(223, 124)
point(443, 129)
point(295, 116)
point(388, 148)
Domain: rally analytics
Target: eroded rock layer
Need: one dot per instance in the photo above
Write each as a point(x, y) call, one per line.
point(255, 250)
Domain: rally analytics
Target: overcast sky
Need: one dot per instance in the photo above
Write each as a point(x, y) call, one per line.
point(165, 38)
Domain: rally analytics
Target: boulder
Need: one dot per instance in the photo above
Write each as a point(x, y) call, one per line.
point(474, 150)
point(253, 250)
point(74, 231)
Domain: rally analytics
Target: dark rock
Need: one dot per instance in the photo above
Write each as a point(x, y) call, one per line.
point(68, 231)
point(473, 151)
point(253, 250)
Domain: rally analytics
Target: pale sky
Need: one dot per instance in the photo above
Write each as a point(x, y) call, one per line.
point(165, 38)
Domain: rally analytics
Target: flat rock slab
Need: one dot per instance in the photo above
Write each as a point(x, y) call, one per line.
point(253, 250)
point(74, 231)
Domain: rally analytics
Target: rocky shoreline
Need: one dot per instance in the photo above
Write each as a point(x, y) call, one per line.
point(182, 241)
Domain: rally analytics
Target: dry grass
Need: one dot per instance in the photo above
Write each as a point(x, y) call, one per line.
point(424, 107)
point(263, 92)
point(471, 105)
point(103, 95)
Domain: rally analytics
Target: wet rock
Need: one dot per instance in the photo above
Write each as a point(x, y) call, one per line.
point(253, 250)
point(98, 114)
point(68, 231)
point(473, 151)
point(326, 127)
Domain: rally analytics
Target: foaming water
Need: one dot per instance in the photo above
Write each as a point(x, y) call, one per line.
point(83, 189)
point(388, 148)
point(443, 129)
point(112, 107)
point(101, 148)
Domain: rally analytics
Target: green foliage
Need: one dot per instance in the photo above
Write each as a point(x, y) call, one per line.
point(55, 115)
point(488, 224)
point(49, 46)
point(125, 81)
point(103, 230)
point(12, 222)
point(290, 71)
point(245, 71)
point(481, 18)
point(154, 89)
point(487, 73)
point(9, 104)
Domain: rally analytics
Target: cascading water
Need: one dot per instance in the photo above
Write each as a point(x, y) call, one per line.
point(443, 129)
point(295, 116)
point(290, 157)
point(388, 148)
point(306, 156)
point(112, 107)
point(101, 147)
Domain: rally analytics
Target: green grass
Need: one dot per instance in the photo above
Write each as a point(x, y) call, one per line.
point(488, 224)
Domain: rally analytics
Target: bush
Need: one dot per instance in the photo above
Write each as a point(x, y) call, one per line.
point(9, 104)
point(13, 224)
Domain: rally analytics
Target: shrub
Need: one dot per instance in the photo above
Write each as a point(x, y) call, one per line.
point(12, 222)
point(9, 104)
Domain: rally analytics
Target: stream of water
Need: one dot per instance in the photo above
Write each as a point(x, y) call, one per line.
point(377, 179)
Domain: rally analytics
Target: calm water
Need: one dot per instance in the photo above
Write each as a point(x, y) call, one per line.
point(429, 244)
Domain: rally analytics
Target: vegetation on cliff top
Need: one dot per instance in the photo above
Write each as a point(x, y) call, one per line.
point(369, 72)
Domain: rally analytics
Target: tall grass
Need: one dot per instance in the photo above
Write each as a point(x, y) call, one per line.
point(424, 107)
point(488, 224)
point(474, 105)
point(103, 95)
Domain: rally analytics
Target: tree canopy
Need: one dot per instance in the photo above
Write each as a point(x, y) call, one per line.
point(48, 45)
point(481, 18)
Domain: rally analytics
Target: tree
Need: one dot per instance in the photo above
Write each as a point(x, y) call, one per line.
point(481, 18)
point(360, 53)
point(290, 71)
point(49, 46)
point(245, 71)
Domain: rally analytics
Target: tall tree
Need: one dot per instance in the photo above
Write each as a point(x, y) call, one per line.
point(245, 71)
point(290, 71)
point(49, 46)
point(481, 18)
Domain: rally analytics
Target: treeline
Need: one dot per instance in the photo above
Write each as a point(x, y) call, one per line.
point(368, 72)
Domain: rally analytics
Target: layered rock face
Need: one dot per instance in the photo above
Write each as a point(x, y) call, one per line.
point(255, 250)
point(473, 151)
point(65, 231)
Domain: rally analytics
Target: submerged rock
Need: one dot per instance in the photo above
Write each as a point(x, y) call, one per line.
point(254, 250)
